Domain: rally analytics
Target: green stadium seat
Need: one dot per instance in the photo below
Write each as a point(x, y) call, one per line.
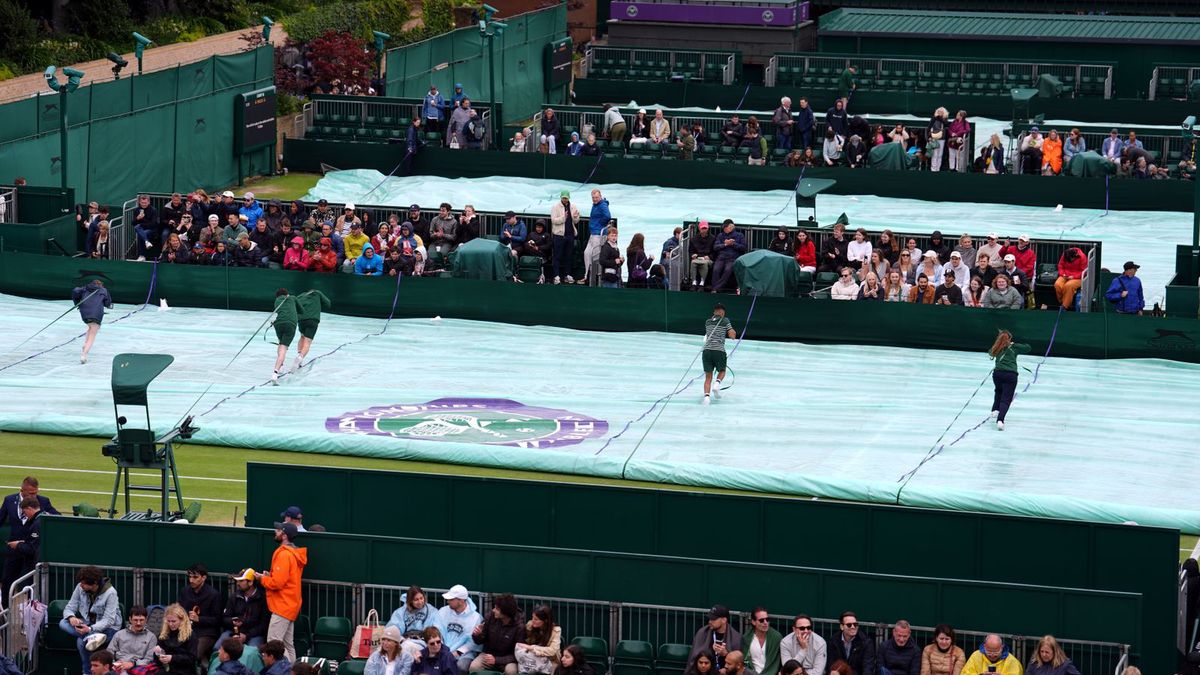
point(779, 152)
point(55, 639)
point(529, 269)
point(396, 132)
point(388, 121)
point(595, 650)
point(709, 149)
point(726, 150)
point(724, 160)
point(352, 667)
point(743, 152)
point(345, 131)
point(318, 118)
point(634, 651)
point(371, 121)
point(672, 658)
point(336, 119)
point(352, 119)
point(612, 155)
point(433, 136)
point(601, 143)
point(331, 637)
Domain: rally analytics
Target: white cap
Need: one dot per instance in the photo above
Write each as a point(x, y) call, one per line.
point(456, 592)
point(349, 206)
point(993, 235)
point(214, 218)
point(248, 195)
point(955, 254)
point(930, 254)
point(227, 193)
point(1023, 237)
point(1010, 258)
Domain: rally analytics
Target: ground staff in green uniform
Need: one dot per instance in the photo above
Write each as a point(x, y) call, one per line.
point(309, 306)
point(1004, 376)
point(291, 312)
point(713, 358)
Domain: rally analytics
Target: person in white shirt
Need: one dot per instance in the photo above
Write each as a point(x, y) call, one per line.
point(859, 249)
point(762, 646)
point(992, 248)
point(845, 288)
point(962, 273)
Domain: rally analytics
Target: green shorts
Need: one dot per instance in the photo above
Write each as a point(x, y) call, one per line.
point(285, 332)
point(308, 328)
point(713, 359)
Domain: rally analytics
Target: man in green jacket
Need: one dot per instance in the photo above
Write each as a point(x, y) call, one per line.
point(291, 312)
point(847, 83)
point(309, 306)
point(762, 646)
point(285, 328)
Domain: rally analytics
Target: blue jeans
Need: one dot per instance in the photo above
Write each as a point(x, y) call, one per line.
point(84, 654)
point(805, 138)
point(610, 284)
point(783, 141)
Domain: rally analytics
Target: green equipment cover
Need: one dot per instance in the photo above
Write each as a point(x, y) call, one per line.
point(890, 157)
point(1049, 86)
point(764, 272)
point(133, 373)
point(1090, 163)
point(483, 259)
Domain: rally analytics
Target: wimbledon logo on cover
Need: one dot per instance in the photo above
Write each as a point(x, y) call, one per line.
point(490, 421)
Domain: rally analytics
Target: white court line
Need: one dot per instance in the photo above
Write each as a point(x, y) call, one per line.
point(1196, 551)
point(109, 473)
point(134, 496)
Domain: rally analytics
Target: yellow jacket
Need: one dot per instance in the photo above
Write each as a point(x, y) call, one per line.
point(978, 664)
point(354, 244)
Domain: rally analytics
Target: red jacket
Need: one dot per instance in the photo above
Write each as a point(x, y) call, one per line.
point(295, 259)
point(806, 254)
point(323, 261)
point(1072, 270)
point(1026, 260)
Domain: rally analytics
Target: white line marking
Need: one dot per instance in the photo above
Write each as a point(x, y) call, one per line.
point(133, 496)
point(1195, 551)
point(109, 473)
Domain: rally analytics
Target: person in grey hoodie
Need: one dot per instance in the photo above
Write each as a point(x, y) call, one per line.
point(442, 228)
point(458, 122)
point(133, 646)
point(93, 610)
point(91, 299)
point(1002, 295)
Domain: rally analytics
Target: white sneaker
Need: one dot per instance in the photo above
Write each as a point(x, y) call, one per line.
point(141, 258)
point(95, 641)
point(994, 414)
point(297, 364)
point(83, 358)
point(275, 378)
point(557, 281)
point(999, 425)
point(707, 400)
point(716, 391)
point(542, 279)
point(570, 279)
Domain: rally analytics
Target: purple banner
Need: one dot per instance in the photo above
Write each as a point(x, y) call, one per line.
point(781, 15)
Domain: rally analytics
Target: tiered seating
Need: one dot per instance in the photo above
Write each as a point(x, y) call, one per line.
point(628, 63)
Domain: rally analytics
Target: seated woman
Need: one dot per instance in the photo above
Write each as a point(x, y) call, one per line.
point(390, 658)
point(414, 614)
point(574, 662)
point(856, 152)
point(174, 251)
point(914, 252)
point(383, 240)
point(874, 265)
point(436, 657)
point(929, 267)
point(704, 664)
point(888, 247)
point(975, 291)
point(1049, 659)
point(894, 289)
point(640, 129)
point(870, 289)
point(176, 643)
point(832, 149)
point(942, 656)
point(1052, 154)
point(806, 252)
point(1074, 145)
point(809, 158)
point(538, 653)
point(780, 243)
point(906, 268)
point(1071, 266)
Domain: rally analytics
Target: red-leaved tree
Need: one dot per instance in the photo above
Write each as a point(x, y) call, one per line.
point(338, 56)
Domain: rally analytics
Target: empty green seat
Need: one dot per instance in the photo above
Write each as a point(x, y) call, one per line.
point(331, 637)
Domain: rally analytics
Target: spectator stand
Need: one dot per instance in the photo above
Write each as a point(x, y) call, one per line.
point(1166, 144)
point(370, 119)
point(1048, 252)
point(938, 75)
point(591, 118)
point(603, 624)
point(490, 222)
point(634, 63)
point(1174, 80)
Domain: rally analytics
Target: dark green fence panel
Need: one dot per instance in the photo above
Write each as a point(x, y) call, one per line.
point(109, 99)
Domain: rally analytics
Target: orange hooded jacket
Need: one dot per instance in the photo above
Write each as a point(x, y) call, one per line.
point(283, 584)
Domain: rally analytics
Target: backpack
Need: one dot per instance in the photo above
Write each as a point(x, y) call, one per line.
point(477, 130)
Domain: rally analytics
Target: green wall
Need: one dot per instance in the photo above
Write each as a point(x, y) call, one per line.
point(1071, 192)
point(771, 530)
point(1090, 335)
point(461, 56)
point(683, 94)
point(587, 575)
point(159, 132)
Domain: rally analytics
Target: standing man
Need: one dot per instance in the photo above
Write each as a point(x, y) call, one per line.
point(614, 124)
point(284, 324)
point(713, 358)
point(762, 648)
point(847, 83)
point(10, 511)
point(202, 602)
point(597, 223)
point(563, 217)
point(282, 584)
point(853, 647)
point(784, 124)
point(24, 546)
point(1126, 291)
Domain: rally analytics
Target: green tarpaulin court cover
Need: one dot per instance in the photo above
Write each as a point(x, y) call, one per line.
point(889, 156)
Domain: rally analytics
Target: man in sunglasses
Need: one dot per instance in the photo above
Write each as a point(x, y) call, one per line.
point(804, 646)
point(762, 648)
point(853, 646)
point(716, 637)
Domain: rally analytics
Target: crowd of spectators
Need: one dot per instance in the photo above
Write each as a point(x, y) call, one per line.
point(1051, 154)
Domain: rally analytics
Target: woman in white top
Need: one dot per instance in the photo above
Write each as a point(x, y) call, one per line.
point(930, 268)
point(913, 252)
point(859, 249)
point(389, 659)
point(845, 288)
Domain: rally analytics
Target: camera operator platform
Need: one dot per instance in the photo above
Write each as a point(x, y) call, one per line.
point(139, 448)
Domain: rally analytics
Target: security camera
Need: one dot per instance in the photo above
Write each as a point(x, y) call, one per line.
point(117, 59)
point(142, 39)
point(73, 72)
point(380, 35)
point(489, 9)
point(267, 21)
point(1189, 125)
point(50, 71)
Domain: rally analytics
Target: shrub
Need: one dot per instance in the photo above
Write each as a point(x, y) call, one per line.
point(355, 18)
point(438, 16)
point(287, 105)
point(17, 28)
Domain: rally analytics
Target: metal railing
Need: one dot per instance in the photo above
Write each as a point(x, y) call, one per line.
point(660, 64)
point(1088, 287)
point(1167, 149)
point(372, 119)
point(15, 642)
point(613, 621)
point(966, 76)
point(8, 205)
point(1172, 81)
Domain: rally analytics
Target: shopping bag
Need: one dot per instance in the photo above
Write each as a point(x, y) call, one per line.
point(366, 637)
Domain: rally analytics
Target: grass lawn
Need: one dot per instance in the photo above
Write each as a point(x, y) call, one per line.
point(284, 188)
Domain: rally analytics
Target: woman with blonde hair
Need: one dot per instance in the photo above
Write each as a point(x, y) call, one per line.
point(894, 288)
point(176, 650)
point(1004, 376)
point(938, 136)
point(1049, 659)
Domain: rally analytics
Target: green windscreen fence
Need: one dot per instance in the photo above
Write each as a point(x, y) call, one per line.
point(162, 131)
point(461, 57)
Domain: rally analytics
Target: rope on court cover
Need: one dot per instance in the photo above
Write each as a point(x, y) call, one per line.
point(233, 397)
point(937, 449)
point(126, 315)
point(676, 390)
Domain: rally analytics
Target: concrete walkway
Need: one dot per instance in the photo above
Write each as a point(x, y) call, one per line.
point(154, 58)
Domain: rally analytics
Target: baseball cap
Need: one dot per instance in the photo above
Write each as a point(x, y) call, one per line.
point(292, 511)
point(94, 205)
point(247, 574)
point(992, 235)
point(1033, 130)
point(718, 612)
point(227, 193)
point(704, 225)
point(414, 207)
point(456, 592)
point(248, 195)
point(348, 207)
point(955, 254)
point(289, 529)
point(1010, 258)
point(1023, 237)
point(356, 225)
point(1130, 265)
point(930, 254)
point(565, 193)
point(243, 217)
point(949, 274)
point(510, 214)
point(322, 202)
